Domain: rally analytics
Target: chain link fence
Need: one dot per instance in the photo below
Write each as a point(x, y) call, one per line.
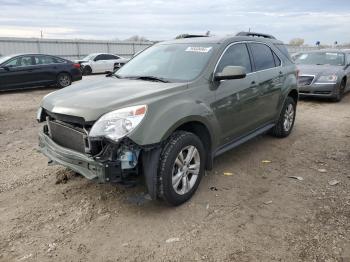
point(70, 49)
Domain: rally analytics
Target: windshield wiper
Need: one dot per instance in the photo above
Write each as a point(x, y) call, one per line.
point(151, 78)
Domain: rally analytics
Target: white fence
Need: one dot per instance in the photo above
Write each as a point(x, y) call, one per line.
point(73, 49)
point(70, 49)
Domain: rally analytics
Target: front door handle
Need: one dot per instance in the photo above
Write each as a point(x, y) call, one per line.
point(253, 84)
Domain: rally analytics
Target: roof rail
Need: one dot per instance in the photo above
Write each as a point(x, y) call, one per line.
point(255, 35)
point(189, 36)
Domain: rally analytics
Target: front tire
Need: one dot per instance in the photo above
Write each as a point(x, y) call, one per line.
point(64, 80)
point(286, 120)
point(340, 92)
point(181, 167)
point(87, 71)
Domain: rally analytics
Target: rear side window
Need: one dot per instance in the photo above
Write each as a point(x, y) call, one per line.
point(44, 60)
point(263, 56)
point(283, 49)
point(235, 55)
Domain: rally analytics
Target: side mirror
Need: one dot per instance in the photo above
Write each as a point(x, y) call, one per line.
point(231, 72)
point(6, 68)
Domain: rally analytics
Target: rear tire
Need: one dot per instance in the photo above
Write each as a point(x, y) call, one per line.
point(64, 80)
point(339, 92)
point(286, 120)
point(181, 167)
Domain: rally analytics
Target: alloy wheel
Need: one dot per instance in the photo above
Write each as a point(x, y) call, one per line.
point(186, 170)
point(64, 80)
point(288, 118)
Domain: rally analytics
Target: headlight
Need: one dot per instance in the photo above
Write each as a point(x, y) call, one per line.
point(328, 78)
point(118, 123)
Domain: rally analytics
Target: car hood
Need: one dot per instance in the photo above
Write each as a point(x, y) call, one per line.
point(318, 70)
point(93, 98)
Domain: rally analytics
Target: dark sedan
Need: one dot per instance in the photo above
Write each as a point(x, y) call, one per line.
point(29, 70)
point(324, 73)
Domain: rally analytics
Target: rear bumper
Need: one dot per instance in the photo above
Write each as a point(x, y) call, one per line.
point(78, 162)
point(77, 78)
point(76, 74)
point(318, 90)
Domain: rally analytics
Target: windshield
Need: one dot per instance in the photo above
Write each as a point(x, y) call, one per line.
point(321, 58)
point(170, 62)
point(4, 58)
point(88, 57)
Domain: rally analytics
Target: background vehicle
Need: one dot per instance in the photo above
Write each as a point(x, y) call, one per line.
point(28, 70)
point(101, 63)
point(168, 112)
point(324, 73)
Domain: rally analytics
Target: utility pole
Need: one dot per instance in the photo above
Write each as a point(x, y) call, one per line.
point(41, 33)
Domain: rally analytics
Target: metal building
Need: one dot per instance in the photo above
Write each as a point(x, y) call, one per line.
point(70, 49)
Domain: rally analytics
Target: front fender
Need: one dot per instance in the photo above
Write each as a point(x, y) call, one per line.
point(158, 125)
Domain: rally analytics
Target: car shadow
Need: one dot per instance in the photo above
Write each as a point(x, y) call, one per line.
point(28, 89)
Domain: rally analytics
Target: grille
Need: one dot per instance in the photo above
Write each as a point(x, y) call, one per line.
point(67, 137)
point(305, 80)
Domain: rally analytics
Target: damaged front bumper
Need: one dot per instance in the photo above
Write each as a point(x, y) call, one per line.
point(318, 90)
point(106, 171)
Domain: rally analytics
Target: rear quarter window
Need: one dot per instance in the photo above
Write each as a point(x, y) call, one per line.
point(283, 49)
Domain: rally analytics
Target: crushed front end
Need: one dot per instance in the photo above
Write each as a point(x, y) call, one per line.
point(65, 141)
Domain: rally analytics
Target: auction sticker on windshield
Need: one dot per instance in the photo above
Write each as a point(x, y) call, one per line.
point(198, 49)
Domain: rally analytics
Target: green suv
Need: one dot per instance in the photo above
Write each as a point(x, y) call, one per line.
point(168, 112)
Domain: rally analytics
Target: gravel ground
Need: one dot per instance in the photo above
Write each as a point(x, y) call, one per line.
point(258, 213)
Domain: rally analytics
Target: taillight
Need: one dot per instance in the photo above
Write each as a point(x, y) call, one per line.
point(76, 65)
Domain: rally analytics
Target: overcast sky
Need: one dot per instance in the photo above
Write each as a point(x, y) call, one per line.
point(323, 20)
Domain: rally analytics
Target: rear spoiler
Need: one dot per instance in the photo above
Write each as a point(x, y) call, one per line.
point(253, 34)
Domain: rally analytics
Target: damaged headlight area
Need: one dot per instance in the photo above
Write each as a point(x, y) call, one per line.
point(101, 151)
point(119, 123)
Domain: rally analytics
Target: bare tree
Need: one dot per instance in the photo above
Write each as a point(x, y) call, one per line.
point(297, 41)
point(137, 38)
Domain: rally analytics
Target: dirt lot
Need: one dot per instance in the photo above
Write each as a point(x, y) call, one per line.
point(48, 213)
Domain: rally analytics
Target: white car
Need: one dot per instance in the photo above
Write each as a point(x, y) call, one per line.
point(100, 63)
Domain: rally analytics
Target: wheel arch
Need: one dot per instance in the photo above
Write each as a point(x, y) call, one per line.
point(64, 72)
point(294, 94)
point(345, 78)
point(200, 129)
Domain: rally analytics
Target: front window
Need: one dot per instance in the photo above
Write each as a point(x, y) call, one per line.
point(235, 55)
point(321, 58)
point(20, 61)
point(4, 58)
point(89, 57)
point(172, 62)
